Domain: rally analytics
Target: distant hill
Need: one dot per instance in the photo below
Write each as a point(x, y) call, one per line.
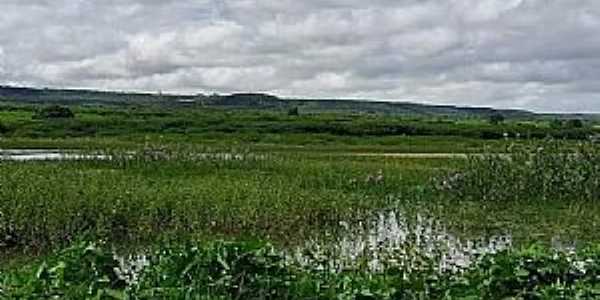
point(245, 101)
point(73, 97)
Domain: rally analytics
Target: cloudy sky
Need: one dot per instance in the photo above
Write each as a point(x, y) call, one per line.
point(542, 55)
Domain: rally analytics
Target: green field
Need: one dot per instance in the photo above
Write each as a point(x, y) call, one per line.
point(246, 204)
point(113, 126)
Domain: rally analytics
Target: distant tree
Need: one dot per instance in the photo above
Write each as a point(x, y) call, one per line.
point(574, 123)
point(496, 118)
point(556, 124)
point(54, 112)
point(293, 111)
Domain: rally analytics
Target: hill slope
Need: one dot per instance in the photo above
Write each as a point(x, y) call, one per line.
point(244, 101)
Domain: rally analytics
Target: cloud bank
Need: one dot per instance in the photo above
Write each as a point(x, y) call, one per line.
point(542, 55)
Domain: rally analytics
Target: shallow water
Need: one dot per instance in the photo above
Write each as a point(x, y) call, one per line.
point(60, 154)
point(387, 239)
point(46, 154)
point(393, 239)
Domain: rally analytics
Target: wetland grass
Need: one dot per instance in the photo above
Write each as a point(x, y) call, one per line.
point(173, 206)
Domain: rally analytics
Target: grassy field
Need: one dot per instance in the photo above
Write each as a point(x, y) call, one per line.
point(131, 126)
point(219, 207)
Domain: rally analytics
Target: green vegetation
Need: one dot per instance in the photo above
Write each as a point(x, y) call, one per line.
point(254, 101)
point(50, 204)
point(293, 111)
point(546, 172)
point(251, 271)
point(550, 184)
point(266, 204)
point(175, 195)
point(136, 125)
point(54, 112)
point(496, 118)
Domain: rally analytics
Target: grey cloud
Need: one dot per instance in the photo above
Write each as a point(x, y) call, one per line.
point(534, 54)
point(2, 63)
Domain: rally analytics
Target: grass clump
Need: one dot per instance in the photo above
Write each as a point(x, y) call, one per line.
point(548, 172)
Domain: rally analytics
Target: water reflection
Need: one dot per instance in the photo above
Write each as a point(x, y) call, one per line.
point(59, 154)
point(392, 239)
point(389, 239)
point(43, 154)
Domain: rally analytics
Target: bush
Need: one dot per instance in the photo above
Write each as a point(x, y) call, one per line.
point(574, 123)
point(54, 112)
point(496, 118)
point(556, 124)
point(293, 111)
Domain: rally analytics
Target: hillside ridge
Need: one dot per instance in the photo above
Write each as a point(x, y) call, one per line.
point(29, 95)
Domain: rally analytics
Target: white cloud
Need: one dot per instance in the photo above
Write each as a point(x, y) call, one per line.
point(536, 54)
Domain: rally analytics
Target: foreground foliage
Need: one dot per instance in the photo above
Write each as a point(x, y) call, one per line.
point(225, 270)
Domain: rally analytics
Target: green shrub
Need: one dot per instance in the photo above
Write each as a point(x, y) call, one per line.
point(293, 111)
point(496, 118)
point(575, 123)
point(54, 112)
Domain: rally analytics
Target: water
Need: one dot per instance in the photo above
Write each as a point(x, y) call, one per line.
point(59, 154)
point(388, 239)
point(392, 239)
point(47, 154)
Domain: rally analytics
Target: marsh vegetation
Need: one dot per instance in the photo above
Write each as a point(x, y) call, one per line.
point(271, 209)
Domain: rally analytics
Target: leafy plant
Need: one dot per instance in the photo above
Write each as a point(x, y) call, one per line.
point(228, 270)
point(84, 271)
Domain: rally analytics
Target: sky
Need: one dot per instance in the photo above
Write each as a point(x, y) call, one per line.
point(541, 55)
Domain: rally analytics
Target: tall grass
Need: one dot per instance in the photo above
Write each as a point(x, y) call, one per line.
point(139, 197)
point(548, 172)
